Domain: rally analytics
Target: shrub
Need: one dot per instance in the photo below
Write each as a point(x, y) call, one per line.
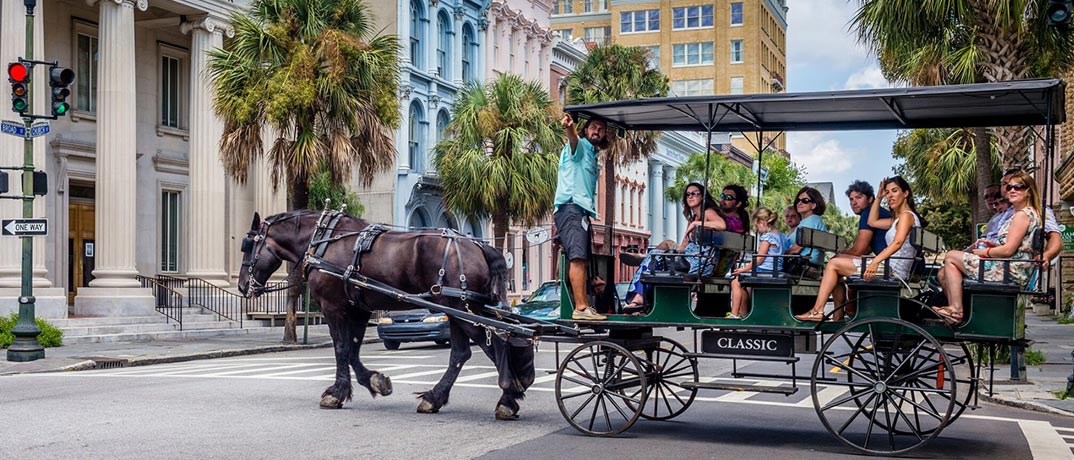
point(1003, 356)
point(50, 336)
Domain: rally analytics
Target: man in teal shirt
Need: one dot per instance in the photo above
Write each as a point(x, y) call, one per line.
point(576, 188)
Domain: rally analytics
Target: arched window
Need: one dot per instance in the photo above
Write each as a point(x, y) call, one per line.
point(417, 21)
point(442, 120)
point(417, 141)
point(469, 50)
point(443, 45)
point(418, 220)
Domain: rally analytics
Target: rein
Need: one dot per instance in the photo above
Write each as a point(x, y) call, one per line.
point(255, 241)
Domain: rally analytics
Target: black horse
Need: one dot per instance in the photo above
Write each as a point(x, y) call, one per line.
point(410, 262)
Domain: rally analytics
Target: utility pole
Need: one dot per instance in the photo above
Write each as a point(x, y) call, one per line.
point(25, 347)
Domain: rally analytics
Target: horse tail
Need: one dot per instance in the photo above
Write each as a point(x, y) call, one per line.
point(497, 271)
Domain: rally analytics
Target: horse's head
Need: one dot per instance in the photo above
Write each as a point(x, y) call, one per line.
point(259, 258)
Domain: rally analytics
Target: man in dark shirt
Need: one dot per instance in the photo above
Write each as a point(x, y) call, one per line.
point(869, 239)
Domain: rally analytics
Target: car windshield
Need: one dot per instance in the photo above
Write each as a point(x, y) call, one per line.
point(546, 293)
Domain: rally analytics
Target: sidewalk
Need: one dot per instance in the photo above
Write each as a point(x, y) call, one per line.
point(125, 354)
point(1056, 342)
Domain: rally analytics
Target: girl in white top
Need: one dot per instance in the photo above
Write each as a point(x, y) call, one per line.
point(901, 202)
point(772, 243)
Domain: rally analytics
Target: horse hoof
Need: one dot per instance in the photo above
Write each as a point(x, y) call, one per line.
point(426, 407)
point(331, 402)
point(381, 384)
point(503, 413)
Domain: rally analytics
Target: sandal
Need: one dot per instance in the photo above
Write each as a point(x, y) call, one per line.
point(949, 315)
point(633, 307)
point(811, 315)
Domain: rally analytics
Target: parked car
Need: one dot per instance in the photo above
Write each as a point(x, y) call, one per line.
point(420, 325)
point(544, 302)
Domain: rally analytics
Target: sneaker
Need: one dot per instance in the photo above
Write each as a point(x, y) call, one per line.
point(589, 314)
point(731, 316)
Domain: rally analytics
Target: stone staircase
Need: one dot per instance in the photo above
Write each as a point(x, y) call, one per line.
point(197, 322)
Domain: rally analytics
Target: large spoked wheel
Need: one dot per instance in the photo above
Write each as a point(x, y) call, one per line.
point(900, 386)
point(593, 388)
point(667, 368)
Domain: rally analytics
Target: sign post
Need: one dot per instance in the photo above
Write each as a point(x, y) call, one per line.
point(25, 347)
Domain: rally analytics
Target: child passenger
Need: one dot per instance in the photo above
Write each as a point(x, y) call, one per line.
point(771, 243)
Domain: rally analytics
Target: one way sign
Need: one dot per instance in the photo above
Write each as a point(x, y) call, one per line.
point(25, 227)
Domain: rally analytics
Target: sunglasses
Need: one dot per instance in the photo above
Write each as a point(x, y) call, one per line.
point(728, 196)
point(803, 201)
point(1018, 187)
point(694, 193)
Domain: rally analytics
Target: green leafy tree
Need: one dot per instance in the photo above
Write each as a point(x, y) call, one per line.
point(949, 220)
point(840, 223)
point(316, 74)
point(968, 41)
point(615, 73)
point(784, 180)
point(322, 188)
point(500, 155)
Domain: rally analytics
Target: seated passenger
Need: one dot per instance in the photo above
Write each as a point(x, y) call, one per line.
point(1015, 241)
point(901, 200)
point(792, 219)
point(700, 210)
point(733, 203)
point(810, 206)
point(868, 240)
point(771, 243)
point(635, 296)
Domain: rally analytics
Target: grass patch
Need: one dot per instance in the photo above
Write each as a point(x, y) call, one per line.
point(50, 336)
point(1003, 356)
point(1066, 320)
point(1061, 394)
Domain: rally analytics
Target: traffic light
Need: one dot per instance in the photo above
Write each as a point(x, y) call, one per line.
point(1059, 12)
point(19, 76)
point(59, 78)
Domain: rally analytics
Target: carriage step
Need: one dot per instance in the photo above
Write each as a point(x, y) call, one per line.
point(779, 359)
point(739, 387)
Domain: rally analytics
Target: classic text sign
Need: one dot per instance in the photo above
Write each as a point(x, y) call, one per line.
point(24, 227)
point(745, 343)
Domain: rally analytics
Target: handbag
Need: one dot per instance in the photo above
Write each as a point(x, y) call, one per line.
point(795, 265)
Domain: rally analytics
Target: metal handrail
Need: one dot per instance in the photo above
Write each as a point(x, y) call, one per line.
point(167, 301)
point(223, 303)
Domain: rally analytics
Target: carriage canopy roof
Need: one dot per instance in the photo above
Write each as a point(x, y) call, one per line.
point(1010, 103)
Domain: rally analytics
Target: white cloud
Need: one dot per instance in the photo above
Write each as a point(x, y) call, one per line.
point(867, 78)
point(823, 157)
point(818, 35)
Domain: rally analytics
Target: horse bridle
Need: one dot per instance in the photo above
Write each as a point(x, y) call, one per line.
point(254, 242)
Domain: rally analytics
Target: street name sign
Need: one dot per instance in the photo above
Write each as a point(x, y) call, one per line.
point(13, 128)
point(24, 227)
point(39, 129)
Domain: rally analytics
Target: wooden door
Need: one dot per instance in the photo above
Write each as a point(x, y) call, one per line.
point(81, 250)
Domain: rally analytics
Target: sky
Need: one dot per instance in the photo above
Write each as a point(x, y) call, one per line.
point(822, 55)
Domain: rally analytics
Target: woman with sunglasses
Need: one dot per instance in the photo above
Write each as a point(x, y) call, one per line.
point(810, 206)
point(733, 203)
point(1015, 241)
point(904, 217)
point(700, 209)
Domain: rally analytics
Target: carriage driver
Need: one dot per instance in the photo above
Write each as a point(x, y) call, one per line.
point(576, 188)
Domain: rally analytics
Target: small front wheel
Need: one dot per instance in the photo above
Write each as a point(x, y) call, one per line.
point(600, 388)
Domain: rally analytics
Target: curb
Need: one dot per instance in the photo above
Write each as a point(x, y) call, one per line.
point(1026, 405)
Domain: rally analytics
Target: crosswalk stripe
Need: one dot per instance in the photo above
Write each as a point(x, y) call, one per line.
point(300, 371)
point(483, 375)
point(248, 370)
point(416, 374)
point(1044, 441)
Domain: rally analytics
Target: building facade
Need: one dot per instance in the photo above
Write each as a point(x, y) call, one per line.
point(705, 48)
point(134, 172)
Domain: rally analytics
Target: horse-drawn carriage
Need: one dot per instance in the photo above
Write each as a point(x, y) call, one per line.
point(900, 374)
point(903, 373)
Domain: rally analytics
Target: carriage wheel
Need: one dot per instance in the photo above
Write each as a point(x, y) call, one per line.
point(593, 388)
point(900, 386)
point(667, 368)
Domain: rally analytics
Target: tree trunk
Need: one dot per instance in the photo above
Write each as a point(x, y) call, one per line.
point(300, 194)
point(982, 148)
point(499, 230)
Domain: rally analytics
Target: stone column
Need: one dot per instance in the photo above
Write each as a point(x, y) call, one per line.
point(672, 229)
point(206, 217)
point(657, 191)
point(51, 301)
point(544, 65)
point(489, 46)
point(114, 290)
point(456, 48)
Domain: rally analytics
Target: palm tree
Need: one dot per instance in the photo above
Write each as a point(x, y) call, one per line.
point(314, 72)
point(500, 154)
point(615, 73)
point(968, 41)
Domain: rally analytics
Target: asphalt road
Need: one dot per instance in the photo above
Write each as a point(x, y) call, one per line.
point(265, 406)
